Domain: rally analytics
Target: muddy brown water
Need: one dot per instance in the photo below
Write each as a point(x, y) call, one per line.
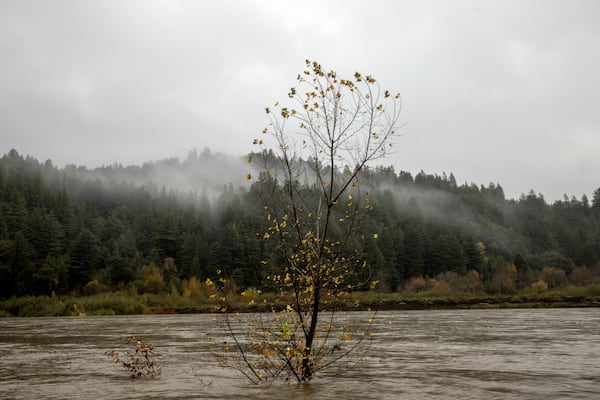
point(450, 354)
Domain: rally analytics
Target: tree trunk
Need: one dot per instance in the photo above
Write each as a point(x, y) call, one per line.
point(307, 366)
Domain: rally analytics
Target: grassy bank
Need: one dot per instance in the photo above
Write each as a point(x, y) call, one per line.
point(130, 303)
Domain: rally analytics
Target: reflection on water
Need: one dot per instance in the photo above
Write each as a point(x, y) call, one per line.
point(463, 354)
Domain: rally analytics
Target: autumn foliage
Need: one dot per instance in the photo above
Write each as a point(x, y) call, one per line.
point(139, 360)
point(309, 186)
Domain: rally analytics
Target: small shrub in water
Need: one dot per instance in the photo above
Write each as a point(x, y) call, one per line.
point(139, 360)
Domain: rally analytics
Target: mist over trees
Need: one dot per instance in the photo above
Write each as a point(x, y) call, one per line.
point(153, 226)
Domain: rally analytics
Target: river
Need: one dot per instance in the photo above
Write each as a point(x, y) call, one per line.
point(450, 354)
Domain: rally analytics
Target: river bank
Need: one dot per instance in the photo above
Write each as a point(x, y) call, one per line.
point(131, 303)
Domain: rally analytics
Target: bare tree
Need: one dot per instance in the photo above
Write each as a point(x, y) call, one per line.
point(309, 185)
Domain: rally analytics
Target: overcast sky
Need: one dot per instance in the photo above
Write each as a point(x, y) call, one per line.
point(493, 91)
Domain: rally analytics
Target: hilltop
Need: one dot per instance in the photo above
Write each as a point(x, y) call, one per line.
point(154, 227)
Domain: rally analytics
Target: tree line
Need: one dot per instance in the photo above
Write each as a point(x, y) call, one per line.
point(82, 230)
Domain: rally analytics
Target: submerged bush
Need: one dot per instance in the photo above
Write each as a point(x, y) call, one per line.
point(139, 360)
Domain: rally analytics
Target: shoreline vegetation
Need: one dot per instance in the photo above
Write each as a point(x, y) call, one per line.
point(113, 241)
point(128, 302)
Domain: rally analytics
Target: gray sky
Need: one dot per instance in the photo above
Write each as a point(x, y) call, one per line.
point(493, 91)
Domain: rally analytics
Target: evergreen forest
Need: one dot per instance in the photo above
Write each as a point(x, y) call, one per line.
point(154, 227)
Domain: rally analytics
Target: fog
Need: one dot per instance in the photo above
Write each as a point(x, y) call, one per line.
point(494, 91)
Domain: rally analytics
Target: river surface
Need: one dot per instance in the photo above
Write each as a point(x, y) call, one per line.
point(458, 354)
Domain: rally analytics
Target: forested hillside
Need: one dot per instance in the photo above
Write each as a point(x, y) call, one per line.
point(155, 226)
